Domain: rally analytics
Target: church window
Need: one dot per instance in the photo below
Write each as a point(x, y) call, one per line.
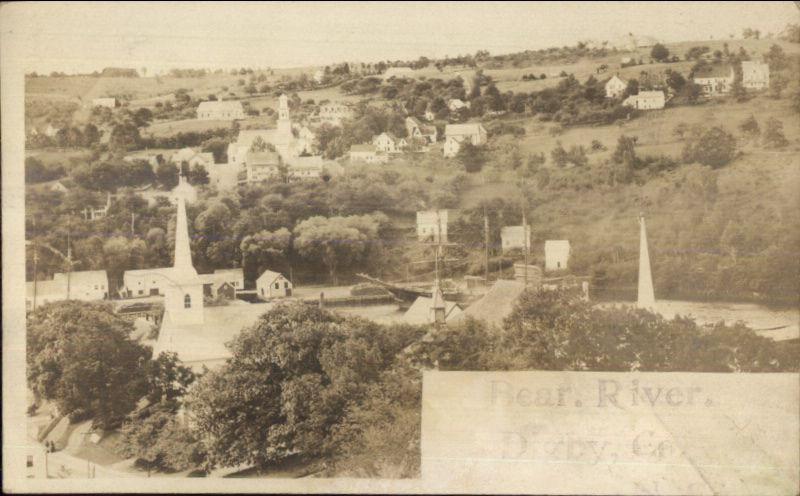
point(187, 301)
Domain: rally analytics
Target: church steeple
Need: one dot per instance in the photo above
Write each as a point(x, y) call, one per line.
point(646, 295)
point(183, 253)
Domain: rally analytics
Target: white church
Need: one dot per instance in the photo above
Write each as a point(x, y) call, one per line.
point(195, 332)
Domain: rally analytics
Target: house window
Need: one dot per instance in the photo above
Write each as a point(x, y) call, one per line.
point(95, 286)
point(286, 285)
point(141, 291)
point(558, 264)
point(262, 291)
point(277, 285)
point(187, 301)
point(29, 461)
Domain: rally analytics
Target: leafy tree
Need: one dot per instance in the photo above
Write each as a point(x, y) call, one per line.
point(631, 89)
point(197, 174)
point(167, 175)
point(338, 241)
point(80, 356)
point(777, 83)
point(293, 376)
point(715, 147)
point(696, 52)
point(659, 52)
point(750, 126)
point(124, 136)
point(776, 58)
point(167, 378)
point(676, 81)
point(472, 157)
point(265, 250)
point(159, 441)
point(773, 134)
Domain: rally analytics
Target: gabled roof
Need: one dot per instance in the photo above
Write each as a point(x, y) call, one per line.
point(463, 129)
point(363, 148)
point(268, 276)
point(228, 105)
point(85, 278)
point(262, 158)
point(713, 71)
point(420, 311)
point(497, 303)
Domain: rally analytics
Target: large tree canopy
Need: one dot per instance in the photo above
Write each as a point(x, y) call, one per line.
point(290, 381)
point(80, 356)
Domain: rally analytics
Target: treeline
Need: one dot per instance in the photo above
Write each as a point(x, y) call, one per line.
point(342, 395)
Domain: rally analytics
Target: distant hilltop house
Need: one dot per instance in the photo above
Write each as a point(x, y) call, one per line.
point(261, 166)
point(367, 153)
point(514, 237)
point(633, 42)
point(455, 134)
point(755, 75)
point(556, 254)
point(417, 129)
point(104, 102)
point(399, 73)
point(615, 87)
point(714, 79)
point(646, 100)
point(389, 143)
point(334, 113)
point(220, 111)
point(455, 104)
point(432, 225)
point(91, 213)
point(273, 285)
point(192, 157)
point(87, 285)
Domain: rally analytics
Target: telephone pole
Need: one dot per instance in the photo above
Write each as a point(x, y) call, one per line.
point(525, 241)
point(486, 246)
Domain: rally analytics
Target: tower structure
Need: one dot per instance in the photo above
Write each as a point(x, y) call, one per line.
point(183, 296)
point(646, 295)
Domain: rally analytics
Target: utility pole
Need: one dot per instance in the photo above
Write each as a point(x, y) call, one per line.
point(485, 246)
point(69, 258)
point(133, 220)
point(35, 260)
point(525, 241)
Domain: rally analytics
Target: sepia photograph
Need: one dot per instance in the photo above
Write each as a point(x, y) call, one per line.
point(401, 247)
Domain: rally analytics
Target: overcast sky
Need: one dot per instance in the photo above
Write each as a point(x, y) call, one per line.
point(85, 37)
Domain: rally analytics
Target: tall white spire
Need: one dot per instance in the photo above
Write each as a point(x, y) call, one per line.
point(183, 254)
point(646, 296)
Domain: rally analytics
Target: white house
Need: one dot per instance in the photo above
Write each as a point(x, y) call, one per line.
point(556, 254)
point(455, 134)
point(220, 111)
point(714, 79)
point(182, 191)
point(389, 143)
point(399, 73)
point(417, 129)
point(261, 166)
point(455, 104)
point(429, 115)
point(755, 75)
point(646, 100)
point(273, 285)
point(432, 225)
point(615, 87)
point(319, 76)
point(220, 277)
point(145, 282)
point(334, 113)
point(88, 285)
point(91, 213)
point(104, 102)
point(367, 153)
point(312, 167)
point(514, 237)
point(192, 157)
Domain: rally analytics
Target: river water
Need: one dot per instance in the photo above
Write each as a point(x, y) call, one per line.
point(777, 324)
